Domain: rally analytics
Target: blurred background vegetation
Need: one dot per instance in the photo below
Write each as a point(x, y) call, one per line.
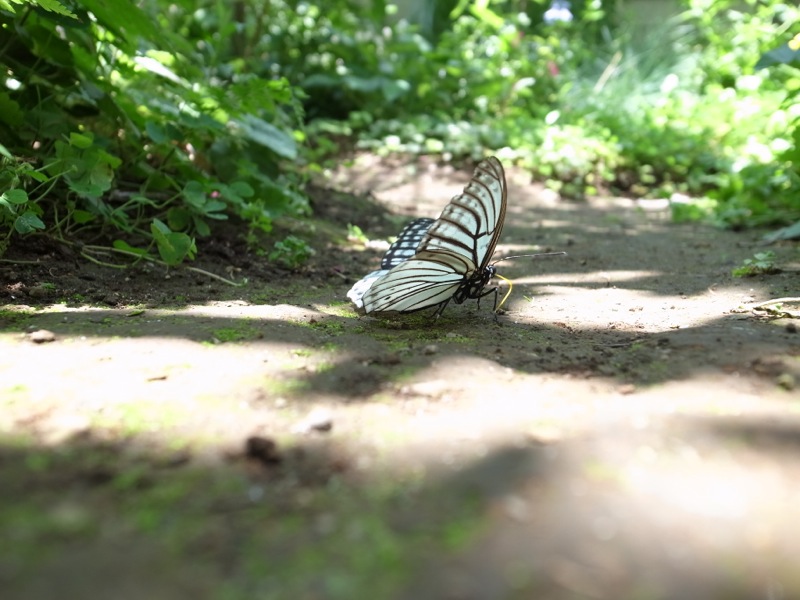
point(135, 128)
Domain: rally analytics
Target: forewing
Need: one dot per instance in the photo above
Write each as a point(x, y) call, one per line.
point(471, 223)
point(412, 285)
point(405, 246)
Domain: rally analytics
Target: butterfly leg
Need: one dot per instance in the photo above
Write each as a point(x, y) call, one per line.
point(494, 310)
point(440, 309)
point(486, 293)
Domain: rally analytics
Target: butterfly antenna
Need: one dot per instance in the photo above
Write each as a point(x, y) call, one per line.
point(511, 285)
point(540, 255)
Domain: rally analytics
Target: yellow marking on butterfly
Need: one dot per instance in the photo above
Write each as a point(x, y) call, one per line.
point(508, 293)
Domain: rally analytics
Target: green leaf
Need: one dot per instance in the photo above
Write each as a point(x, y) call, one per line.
point(160, 225)
point(82, 216)
point(202, 228)
point(482, 11)
point(392, 90)
point(243, 189)
point(178, 218)
point(173, 247)
point(38, 176)
point(80, 140)
point(120, 245)
point(4, 151)
point(792, 232)
point(28, 222)
point(267, 135)
point(162, 133)
point(124, 19)
point(213, 206)
point(10, 112)
point(783, 55)
point(56, 7)
point(49, 5)
point(88, 172)
point(154, 66)
point(194, 194)
point(15, 196)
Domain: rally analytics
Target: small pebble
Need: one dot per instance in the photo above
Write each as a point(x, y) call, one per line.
point(63, 427)
point(39, 291)
point(786, 381)
point(262, 449)
point(430, 349)
point(41, 336)
point(318, 419)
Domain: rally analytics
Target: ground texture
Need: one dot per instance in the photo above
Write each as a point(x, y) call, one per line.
point(628, 429)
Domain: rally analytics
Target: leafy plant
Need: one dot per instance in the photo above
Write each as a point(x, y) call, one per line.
point(355, 234)
point(762, 263)
point(291, 252)
point(113, 125)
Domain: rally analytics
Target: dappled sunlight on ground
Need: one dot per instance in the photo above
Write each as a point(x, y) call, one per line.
point(628, 429)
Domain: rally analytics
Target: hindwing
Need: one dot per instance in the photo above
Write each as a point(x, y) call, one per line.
point(405, 246)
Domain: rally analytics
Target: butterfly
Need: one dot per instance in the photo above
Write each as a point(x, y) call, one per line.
point(435, 261)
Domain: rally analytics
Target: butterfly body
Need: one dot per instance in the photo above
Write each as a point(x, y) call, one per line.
point(451, 259)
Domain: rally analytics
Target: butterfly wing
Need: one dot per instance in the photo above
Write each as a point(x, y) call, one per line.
point(411, 286)
point(451, 260)
point(471, 223)
point(356, 293)
point(403, 248)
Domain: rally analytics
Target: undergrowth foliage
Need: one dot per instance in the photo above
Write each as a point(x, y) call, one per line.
point(135, 127)
point(114, 126)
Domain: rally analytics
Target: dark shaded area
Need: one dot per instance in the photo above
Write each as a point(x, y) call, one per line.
point(521, 522)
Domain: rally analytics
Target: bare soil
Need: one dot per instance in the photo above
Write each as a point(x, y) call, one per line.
point(628, 429)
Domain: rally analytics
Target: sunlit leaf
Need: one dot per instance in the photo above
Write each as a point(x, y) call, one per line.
point(783, 55)
point(154, 66)
point(80, 140)
point(125, 19)
point(267, 135)
point(15, 196)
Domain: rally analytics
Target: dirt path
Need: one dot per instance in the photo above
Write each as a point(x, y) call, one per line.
point(629, 430)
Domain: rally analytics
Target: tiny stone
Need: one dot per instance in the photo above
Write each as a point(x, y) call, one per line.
point(58, 429)
point(430, 349)
point(318, 419)
point(786, 381)
point(262, 449)
point(791, 327)
point(41, 336)
point(39, 291)
point(431, 389)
